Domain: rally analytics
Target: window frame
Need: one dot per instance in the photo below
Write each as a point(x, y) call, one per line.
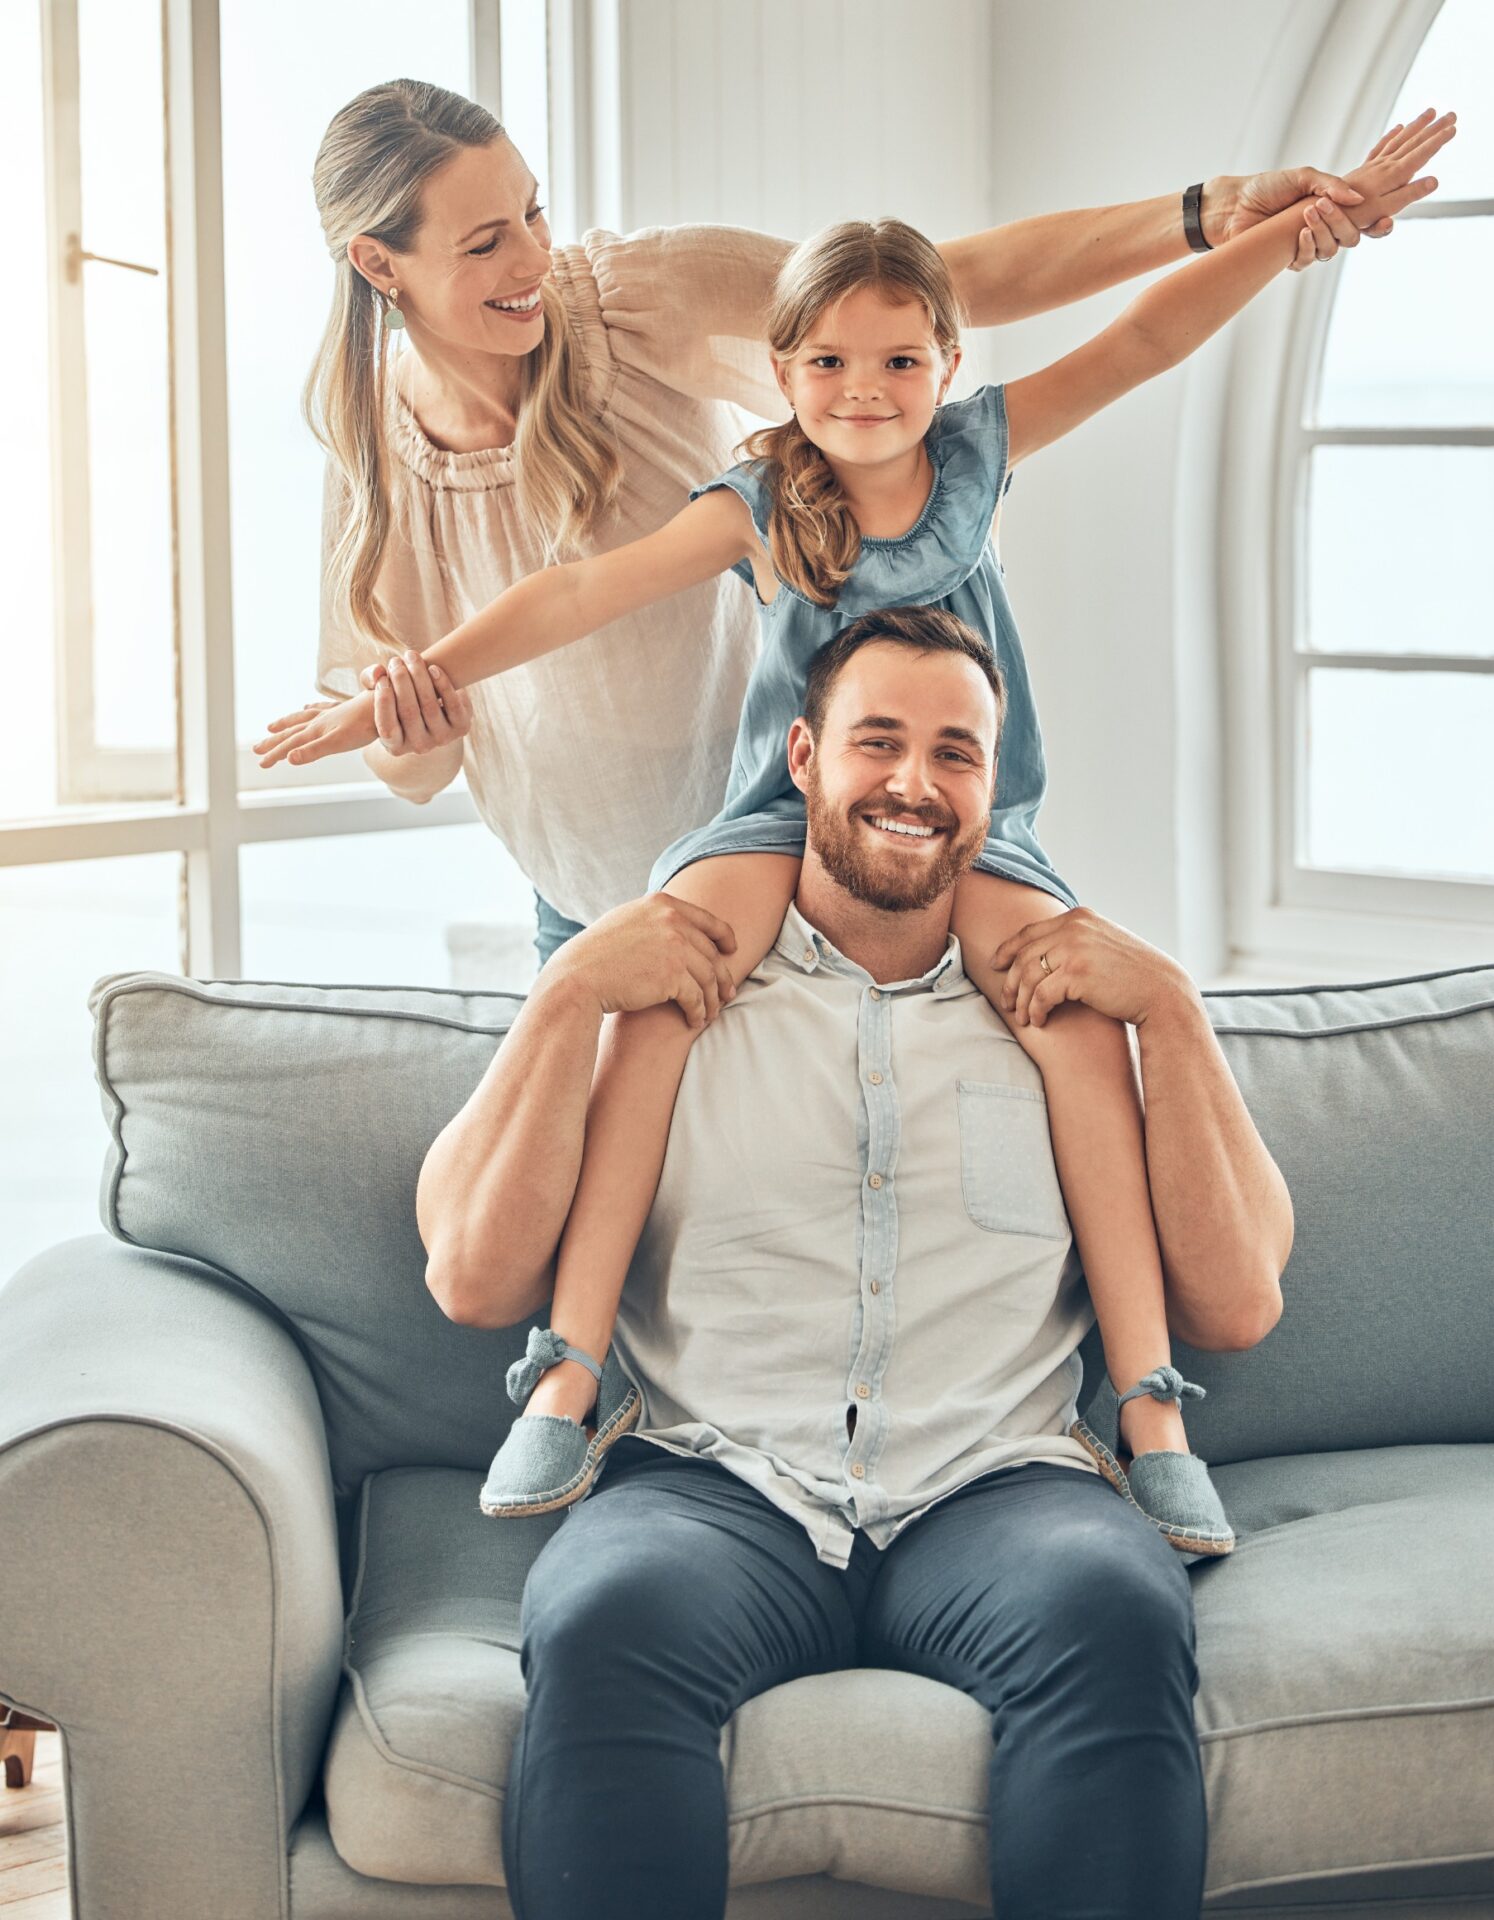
point(1283, 912)
point(224, 800)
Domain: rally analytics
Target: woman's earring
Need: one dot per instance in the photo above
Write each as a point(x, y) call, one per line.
point(394, 320)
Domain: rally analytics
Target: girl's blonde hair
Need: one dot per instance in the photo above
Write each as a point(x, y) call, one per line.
point(813, 538)
point(371, 168)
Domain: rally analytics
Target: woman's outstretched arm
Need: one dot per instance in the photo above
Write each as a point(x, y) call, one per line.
point(1031, 266)
point(1170, 320)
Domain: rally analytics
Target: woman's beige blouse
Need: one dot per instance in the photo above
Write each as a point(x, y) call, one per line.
point(588, 762)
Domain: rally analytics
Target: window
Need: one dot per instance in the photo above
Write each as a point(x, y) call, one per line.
point(1382, 841)
point(168, 290)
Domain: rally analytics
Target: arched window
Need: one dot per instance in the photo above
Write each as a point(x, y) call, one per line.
point(1381, 610)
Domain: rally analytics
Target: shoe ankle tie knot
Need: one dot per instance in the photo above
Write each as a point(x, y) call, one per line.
point(1164, 1383)
point(545, 1349)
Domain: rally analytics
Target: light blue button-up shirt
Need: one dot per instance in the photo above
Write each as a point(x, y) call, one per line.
point(857, 1287)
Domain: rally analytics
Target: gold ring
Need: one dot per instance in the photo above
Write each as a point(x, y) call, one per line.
point(1044, 958)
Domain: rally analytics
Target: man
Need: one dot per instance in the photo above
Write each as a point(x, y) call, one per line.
point(853, 1319)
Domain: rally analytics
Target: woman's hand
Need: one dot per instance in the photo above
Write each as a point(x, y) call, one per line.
point(416, 707)
point(316, 732)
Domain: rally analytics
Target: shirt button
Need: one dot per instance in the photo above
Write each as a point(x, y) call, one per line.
point(862, 1390)
point(859, 1472)
point(809, 956)
point(876, 1286)
point(875, 1078)
point(874, 992)
point(874, 1179)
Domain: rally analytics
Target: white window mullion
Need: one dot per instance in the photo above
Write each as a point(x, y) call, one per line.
point(487, 55)
point(199, 431)
point(72, 544)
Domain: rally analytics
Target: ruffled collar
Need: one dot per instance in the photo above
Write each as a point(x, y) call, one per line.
point(475, 472)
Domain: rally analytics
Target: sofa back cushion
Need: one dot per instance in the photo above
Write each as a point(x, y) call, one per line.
point(276, 1132)
point(1377, 1103)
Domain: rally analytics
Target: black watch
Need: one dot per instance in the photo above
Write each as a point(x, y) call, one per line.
point(1192, 219)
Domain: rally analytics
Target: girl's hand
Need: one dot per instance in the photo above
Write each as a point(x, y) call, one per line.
point(314, 733)
point(416, 707)
point(1386, 176)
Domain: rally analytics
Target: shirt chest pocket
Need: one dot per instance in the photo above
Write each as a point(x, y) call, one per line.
point(1007, 1174)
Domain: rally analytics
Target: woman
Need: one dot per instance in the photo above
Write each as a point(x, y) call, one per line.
point(554, 403)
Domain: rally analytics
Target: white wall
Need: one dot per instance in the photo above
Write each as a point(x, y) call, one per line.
point(785, 114)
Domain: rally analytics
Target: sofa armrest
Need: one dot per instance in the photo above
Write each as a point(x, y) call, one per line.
point(169, 1587)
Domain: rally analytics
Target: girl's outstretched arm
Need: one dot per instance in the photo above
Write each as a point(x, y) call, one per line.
point(1031, 266)
point(546, 610)
point(1170, 320)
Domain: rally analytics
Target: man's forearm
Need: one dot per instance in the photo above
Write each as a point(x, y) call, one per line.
point(1030, 266)
point(499, 1179)
point(1223, 1214)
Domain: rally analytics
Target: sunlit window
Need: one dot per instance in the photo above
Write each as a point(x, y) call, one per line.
point(1394, 623)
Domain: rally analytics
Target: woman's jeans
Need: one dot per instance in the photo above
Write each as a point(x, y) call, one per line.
point(675, 1591)
point(552, 929)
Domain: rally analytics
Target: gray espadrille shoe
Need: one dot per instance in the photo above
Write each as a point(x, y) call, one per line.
point(547, 1460)
point(1172, 1490)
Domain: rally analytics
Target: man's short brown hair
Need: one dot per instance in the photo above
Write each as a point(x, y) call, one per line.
point(925, 629)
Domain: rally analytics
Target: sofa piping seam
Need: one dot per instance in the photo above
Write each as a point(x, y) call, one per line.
point(167, 983)
point(1363, 1026)
point(1377, 1866)
point(1403, 1711)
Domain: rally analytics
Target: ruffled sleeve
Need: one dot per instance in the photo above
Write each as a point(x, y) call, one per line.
point(686, 306)
point(744, 481)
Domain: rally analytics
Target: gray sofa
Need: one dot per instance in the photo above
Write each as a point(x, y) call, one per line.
point(242, 1565)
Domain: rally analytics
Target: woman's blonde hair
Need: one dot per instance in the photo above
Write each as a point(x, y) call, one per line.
point(371, 169)
point(813, 538)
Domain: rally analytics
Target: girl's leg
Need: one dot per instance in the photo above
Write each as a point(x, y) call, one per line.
point(640, 1062)
point(1094, 1112)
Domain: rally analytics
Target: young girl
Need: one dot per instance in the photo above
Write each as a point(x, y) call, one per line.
point(875, 493)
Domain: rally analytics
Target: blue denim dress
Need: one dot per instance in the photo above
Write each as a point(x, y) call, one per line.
point(945, 559)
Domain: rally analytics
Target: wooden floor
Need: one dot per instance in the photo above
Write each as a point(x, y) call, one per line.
point(33, 1841)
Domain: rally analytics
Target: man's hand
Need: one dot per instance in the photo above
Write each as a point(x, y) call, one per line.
point(1089, 959)
point(1233, 203)
point(416, 707)
point(314, 733)
point(646, 952)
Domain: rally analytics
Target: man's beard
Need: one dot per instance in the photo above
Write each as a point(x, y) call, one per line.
point(899, 884)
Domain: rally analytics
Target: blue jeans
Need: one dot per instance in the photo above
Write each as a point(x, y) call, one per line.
point(553, 929)
point(675, 1591)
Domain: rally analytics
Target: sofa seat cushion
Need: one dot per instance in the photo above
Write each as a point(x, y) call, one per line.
point(1345, 1706)
point(1346, 1669)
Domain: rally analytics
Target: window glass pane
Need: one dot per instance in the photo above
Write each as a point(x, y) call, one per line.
point(1408, 339)
point(423, 907)
point(1426, 588)
point(124, 216)
point(28, 766)
point(277, 101)
point(65, 925)
point(1455, 69)
point(1400, 776)
point(524, 59)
